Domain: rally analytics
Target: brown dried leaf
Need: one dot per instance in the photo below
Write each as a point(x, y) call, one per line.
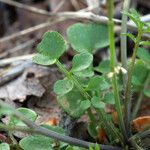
point(141, 123)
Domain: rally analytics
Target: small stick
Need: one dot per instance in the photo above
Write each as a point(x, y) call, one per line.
point(21, 46)
point(13, 73)
point(7, 61)
point(29, 30)
point(26, 7)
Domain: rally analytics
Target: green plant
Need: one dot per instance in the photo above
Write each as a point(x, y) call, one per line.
point(88, 89)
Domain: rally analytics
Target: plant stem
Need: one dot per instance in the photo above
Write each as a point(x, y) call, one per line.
point(84, 93)
point(112, 65)
point(128, 103)
point(69, 75)
point(109, 127)
point(138, 104)
point(124, 39)
point(78, 85)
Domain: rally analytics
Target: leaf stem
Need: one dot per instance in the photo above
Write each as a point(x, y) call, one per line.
point(69, 75)
point(128, 103)
point(112, 65)
point(78, 85)
point(138, 104)
point(124, 39)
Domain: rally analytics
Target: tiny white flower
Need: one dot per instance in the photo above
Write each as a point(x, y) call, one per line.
point(110, 75)
point(124, 71)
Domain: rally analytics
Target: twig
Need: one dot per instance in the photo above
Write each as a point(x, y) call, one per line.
point(46, 132)
point(61, 3)
point(60, 17)
point(75, 4)
point(21, 46)
point(13, 59)
point(29, 30)
point(26, 7)
point(13, 73)
point(124, 40)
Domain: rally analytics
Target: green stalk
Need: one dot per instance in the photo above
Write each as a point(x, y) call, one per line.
point(124, 39)
point(111, 132)
point(138, 104)
point(128, 103)
point(78, 85)
point(112, 65)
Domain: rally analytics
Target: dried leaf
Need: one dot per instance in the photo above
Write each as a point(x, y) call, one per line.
point(101, 135)
point(141, 123)
point(52, 121)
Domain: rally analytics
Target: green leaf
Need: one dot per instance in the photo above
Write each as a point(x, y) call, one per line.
point(140, 72)
point(69, 148)
point(103, 67)
point(53, 128)
point(131, 36)
point(36, 142)
point(73, 103)
point(109, 98)
point(81, 61)
point(147, 30)
point(97, 147)
point(52, 45)
point(97, 83)
point(4, 146)
point(145, 43)
point(43, 60)
point(28, 113)
point(64, 86)
point(136, 81)
point(85, 73)
point(97, 103)
point(74, 148)
point(84, 105)
point(88, 37)
point(92, 130)
point(144, 55)
point(135, 17)
point(5, 110)
point(90, 147)
point(39, 142)
point(146, 93)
